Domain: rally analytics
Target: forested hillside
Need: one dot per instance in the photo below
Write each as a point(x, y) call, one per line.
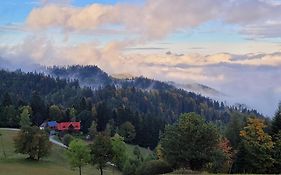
point(148, 110)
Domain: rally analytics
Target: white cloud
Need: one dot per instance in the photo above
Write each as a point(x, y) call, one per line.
point(252, 79)
point(155, 19)
point(159, 18)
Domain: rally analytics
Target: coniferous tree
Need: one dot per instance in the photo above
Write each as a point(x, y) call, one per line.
point(7, 100)
point(276, 122)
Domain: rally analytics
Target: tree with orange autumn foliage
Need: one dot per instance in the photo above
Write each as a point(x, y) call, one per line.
point(255, 149)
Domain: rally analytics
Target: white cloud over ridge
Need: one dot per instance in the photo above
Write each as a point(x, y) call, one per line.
point(251, 78)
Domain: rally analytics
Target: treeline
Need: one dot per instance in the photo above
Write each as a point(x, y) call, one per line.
point(190, 144)
point(64, 100)
point(248, 145)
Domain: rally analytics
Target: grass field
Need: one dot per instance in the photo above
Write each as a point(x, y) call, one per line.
point(55, 164)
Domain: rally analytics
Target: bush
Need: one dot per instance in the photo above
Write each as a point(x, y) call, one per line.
point(67, 138)
point(154, 167)
point(130, 167)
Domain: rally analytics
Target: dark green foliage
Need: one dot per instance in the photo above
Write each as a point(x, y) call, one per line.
point(119, 151)
point(67, 138)
point(103, 113)
point(233, 128)
point(93, 130)
point(190, 142)
point(127, 130)
point(86, 119)
point(101, 151)
point(276, 154)
point(130, 166)
point(32, 141)
point(137, 153)
point(154, 167)
point(9, 116)
point(276, 122)
point(218, 160)
point(39, 109)
point(7, 101)
point(149, 108)
point(55, 113)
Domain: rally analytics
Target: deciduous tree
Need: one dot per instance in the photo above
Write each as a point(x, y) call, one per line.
point(127, 130)
point(32, 141)
point(78, 154)
point(119, 151)
point(190, 142)
point(25, 116)
point(254, 154)
point(101, 151)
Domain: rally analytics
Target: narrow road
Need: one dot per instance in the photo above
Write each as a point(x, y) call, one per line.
point(52, 140)
point(10, 129)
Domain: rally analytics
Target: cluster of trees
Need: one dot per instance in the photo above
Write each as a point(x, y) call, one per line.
point(259, 146)
point(64, 100)
point(249, 147)
point(226, 139)
point(193, 143)
point(106, 150)
point(31, 140)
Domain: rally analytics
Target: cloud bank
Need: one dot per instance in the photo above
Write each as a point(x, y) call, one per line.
point(252, 79)
point(158, 18)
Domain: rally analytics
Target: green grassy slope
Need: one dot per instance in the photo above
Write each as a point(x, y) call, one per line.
point(55, 164)
point(144, 152)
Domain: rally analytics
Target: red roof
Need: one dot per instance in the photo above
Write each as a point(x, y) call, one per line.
point(68, 125)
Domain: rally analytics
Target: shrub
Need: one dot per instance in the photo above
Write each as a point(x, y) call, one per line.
point(154, 167)
point(67, 138)
point(130, 167)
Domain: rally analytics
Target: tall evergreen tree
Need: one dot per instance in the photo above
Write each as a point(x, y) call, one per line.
point(276, 122)
point(7, 100)
point(38, 108)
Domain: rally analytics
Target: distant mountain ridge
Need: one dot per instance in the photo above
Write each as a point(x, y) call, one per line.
point(198, 88)
point(94, 77)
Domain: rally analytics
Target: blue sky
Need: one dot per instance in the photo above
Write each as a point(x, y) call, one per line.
point(16, 12)
point(213, 42)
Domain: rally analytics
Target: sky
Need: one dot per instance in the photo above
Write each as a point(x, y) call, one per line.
point(233, 46)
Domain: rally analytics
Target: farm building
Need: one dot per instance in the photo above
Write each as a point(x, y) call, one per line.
point(63, 126)
point(67, 126)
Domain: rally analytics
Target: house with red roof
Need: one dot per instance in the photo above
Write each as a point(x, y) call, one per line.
point(68, 126)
